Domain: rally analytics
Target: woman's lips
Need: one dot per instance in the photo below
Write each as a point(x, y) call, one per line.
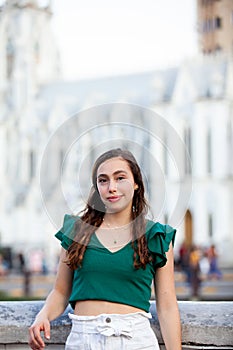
point(113, 198)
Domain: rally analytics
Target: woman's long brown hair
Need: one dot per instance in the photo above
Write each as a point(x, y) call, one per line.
point(92, 215)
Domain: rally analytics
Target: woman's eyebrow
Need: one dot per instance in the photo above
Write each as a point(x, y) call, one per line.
point(119, 172)
point(115, 173)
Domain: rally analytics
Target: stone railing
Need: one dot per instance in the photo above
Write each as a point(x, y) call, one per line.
point(205, 325)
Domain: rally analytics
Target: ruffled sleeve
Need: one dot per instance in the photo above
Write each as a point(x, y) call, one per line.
point(159, 237)
point(66, 233)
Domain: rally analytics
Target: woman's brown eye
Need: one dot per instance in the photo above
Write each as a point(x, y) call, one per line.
point(101, 181)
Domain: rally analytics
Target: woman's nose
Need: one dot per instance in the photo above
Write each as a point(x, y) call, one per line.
point(112, 186)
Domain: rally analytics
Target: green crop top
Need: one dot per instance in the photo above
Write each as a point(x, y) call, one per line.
point(111, 276)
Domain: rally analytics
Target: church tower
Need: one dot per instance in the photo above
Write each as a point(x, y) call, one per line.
point(27, 51)
point(29, 61)
point(215, 26)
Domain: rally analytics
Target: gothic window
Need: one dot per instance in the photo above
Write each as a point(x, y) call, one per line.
point(218, 48)
point(230, 146)
point(209, 152)
point(61, 160)
point(37, 51)
point(31, 164)
point(205, 2)
point(210, 225)
point(7, 159)
point(218, 22)
point(10, 57)
point(205, 27)
point(209, 25)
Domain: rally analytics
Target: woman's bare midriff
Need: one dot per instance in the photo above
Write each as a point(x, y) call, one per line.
point(97, 307)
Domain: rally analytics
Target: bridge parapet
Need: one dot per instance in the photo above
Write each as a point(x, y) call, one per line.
point(205, 325)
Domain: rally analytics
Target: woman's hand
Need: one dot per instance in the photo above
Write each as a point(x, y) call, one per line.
point(55, 304)
point(41, 324)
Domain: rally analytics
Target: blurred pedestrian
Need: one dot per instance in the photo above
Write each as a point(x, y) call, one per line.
point(204, 264)
point(214, 271)
point(21, 260)
point(3, 266)
point(194, 266)
point(184, 260)
point(24, 268)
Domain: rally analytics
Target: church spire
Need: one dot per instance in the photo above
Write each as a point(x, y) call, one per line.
point(21, 4)
point(30, 57)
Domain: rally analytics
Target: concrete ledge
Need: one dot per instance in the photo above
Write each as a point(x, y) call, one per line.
point(205, 325)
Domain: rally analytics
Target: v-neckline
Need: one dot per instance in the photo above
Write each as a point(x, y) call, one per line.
point(104, 247)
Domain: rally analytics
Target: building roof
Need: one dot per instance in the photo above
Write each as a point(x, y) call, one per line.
point(143, 88)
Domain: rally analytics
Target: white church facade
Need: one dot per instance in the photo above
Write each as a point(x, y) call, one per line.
point(51, 130)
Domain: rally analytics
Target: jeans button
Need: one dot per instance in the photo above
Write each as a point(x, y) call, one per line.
point(108, 320)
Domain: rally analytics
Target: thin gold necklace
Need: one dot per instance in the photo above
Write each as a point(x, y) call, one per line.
point(123, 227)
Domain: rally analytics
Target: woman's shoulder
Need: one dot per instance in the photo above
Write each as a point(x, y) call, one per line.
point(67, 232)
point(69, 219)
point(155, 227)
point(159, 237)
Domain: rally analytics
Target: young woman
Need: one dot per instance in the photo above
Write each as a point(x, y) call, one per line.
point(110, 255)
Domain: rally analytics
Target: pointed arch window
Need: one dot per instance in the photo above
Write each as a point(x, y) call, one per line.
point(230, 146)
point(218, 48)
point(31, 164)
point(218, 22)
point(61, 159)
point(10, 58)
point(209, 152)
point(210, 225)
point(37, 51)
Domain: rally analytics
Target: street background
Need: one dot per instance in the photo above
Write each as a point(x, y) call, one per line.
point(13, 286)
point(78, 57)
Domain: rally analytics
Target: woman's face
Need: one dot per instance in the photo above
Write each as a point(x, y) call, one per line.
point(116, 186)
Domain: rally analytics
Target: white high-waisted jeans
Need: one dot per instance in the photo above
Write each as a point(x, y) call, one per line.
point(112, 332)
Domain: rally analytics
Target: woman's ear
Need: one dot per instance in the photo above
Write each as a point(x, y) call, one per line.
point(135, 187)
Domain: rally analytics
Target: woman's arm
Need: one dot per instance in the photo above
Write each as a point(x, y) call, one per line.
point(54, 306)
point(166, 304)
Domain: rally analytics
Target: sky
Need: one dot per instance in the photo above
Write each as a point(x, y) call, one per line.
point(108, 37)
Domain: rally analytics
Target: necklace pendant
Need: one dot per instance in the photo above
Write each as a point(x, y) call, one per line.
point(115, 242)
